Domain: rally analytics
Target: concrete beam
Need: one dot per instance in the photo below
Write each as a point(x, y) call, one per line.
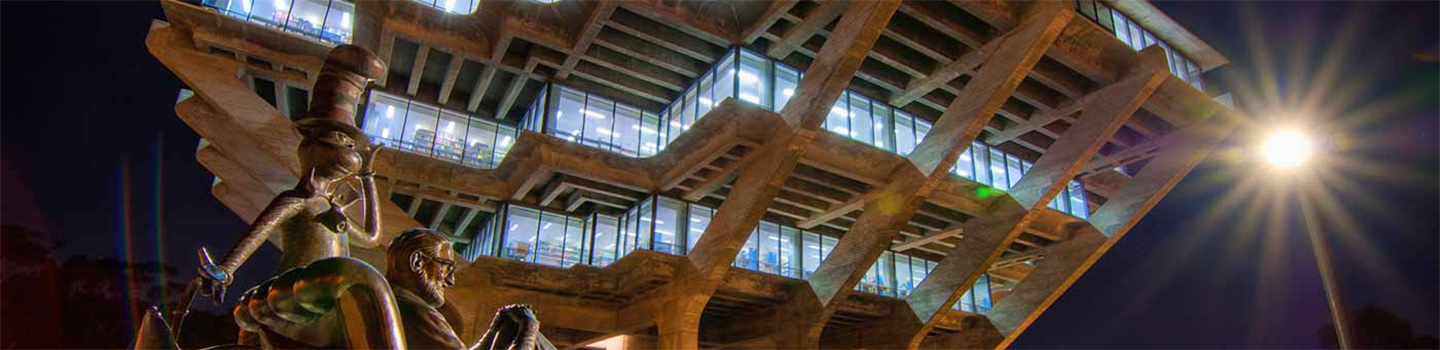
point(777, 10)
point(418, 70)
point(511, 93)
point(813, 22)
point(593, 23)
point(930, 238)
point(452, 73)
point(481, 87)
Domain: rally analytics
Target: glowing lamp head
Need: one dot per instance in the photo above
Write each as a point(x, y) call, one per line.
point(1287, 149)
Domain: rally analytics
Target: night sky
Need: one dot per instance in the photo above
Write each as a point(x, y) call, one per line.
point(88, 112)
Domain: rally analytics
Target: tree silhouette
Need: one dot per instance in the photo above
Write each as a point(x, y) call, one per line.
point(1376, 328)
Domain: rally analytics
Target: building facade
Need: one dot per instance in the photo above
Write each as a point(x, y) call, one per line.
point(729, 174)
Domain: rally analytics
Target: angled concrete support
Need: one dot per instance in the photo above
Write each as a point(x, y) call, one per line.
point(986, 238)
point(1064, 263)
point(680, 303)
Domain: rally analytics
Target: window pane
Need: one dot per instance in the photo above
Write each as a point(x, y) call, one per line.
point(725, 80)
point(981, 290)
point(860, 121)
point(646, 224)
point(575, 244)
point(450, 141)
point(883, 137)
point(270, 13)
point(550, 248)
point(568, 120)
point(520, 235)
point(753, 80)
point(699, 220)
point(749, 253)
point(886, 277)
point(306, 17)
point(599, 115)
point(789, 237)
point(338, 22)
point(1013, 168)
point(649, 134)
point(810, 257)
point(625, 136)
point(769, 247)
point(839, 119)
point(606, 238)
point(507, 138)
point(917, 271)
point(966, 164)
point(904, 133)
point(1077, 201)
point(980, 153)
point(997, 170)
point(786, 81)
point(479, 143)
point(384, 118)
point(827, 243)
point(903, 280)
point(419, 134)
point(705, 98)
point(667, 223)
point(687, 117)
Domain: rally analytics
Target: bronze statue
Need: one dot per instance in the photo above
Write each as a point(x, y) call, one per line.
point(421, 265)
point(308, 218)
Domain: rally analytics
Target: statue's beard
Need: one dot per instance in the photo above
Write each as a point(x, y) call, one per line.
point(432, 290)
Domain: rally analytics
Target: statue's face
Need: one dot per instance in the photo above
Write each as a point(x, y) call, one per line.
point(332, 154)
point(437, 272)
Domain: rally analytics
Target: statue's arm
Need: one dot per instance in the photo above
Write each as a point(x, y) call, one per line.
point(281, 208)
point(370, 236)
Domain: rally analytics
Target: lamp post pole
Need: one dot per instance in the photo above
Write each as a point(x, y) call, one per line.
point(1323, 259)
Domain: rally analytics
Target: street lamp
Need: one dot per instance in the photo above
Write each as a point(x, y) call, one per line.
point(1290, 149)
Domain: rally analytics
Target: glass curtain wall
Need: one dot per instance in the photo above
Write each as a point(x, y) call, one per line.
point(448, 135)
point(453, 6)
point(1138, 37)
point(595, 121)
point(327, 21)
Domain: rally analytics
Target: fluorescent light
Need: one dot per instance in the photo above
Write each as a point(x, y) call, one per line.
point(385, 133)
point(788, 92)
point(594, 114)
point(707, 102)
point(748, 78)
point(450, 127)
point(841, 111)
point(389, 111)
point(345, 20)
point(749, 98)
point(505, 142)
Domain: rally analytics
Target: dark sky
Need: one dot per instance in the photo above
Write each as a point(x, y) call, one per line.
point(85, 105)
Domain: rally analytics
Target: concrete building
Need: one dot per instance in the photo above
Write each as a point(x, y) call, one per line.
point(729, 174)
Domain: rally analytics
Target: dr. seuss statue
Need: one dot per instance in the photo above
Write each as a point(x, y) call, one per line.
point(309, 221)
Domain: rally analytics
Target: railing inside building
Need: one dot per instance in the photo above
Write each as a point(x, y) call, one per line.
point(1138, 37)
point(439, 133)
point(671, 226)
point(578, 116)
point(328, 21)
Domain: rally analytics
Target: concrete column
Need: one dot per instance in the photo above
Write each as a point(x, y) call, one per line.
point(760, 181)
point(908, 187)
point(985, 238)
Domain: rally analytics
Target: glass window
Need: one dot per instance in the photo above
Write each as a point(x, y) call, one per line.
point(749, 253)
point(550, 248)
point(599, 118)
point(306, 17)
point(649, 134)
point(904, 133)
point(704, 97)
point(980, 154)
point(270, 13)
point(886, 277)
point(997, 170)
point(965, 166)
point(981, 291)
point(754, 78)
point(789, 238)
point(1077, 201)
point(699, 220)
point(384, 118)
point(338, 22)
point(883, 137)
point(450, 141)
point(922, 128)
point(479, 143)
point(568, 120)
point(786, 81)
point(687, 115)
point(625, 136)
point(903, 281)
point(839, 119)
point(769, 241)
point(419, 134)
point(827, 244)
point(606, 238)
point(1013, 168)
point(860, 122)
point(519, 243)
point(667, 226)
point(646, 224)
point(502, 147)
point(810, 256)
point(725, 79)
point(575, 245)
point(918, 271)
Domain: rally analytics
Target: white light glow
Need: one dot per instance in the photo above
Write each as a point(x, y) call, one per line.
point(1286, 149)
point(389, 111)
point(594, 114)
point(749, 98)
point(449, 128)
point(505, 142)
point(841, 111)
point(748, 78)
point(345, 20)
point(788, 92)
point(385, 133)
point(707, 102)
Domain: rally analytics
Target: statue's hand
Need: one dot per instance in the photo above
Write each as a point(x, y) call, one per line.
point(367, 165)
point(213, 278)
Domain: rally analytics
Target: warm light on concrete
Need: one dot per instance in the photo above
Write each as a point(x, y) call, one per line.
point(1287, 149)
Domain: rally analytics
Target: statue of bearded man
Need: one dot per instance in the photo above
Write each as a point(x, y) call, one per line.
point(421, 266)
